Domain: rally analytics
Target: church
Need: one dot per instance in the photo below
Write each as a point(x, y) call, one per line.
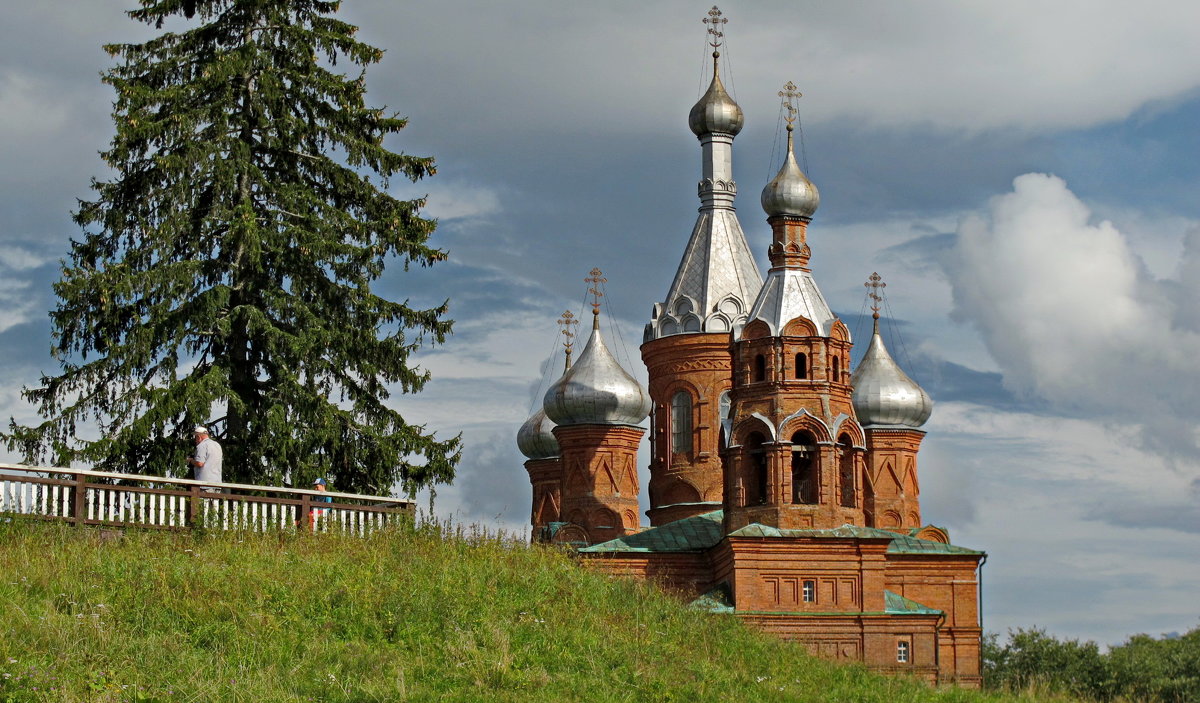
point(783, 484)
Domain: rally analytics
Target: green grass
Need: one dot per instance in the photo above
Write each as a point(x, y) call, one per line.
point(412, 615)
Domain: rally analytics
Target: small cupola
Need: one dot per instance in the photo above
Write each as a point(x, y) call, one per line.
point(790, 193)
point(884, 396)
point(536, 438)
point(596, 390)
point(716, 112)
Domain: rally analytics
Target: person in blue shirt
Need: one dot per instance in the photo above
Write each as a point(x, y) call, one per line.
point(316, 513)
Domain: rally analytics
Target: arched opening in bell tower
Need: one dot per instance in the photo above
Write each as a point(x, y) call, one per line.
point(756, 493)
point(804, 468)
point(801, 366)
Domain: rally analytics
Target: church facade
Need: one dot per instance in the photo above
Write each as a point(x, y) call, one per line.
point(783, 486)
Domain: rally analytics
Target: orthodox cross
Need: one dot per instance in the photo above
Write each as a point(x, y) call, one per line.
point(715, 20)
point(876, 284)
point(568, 324)
point(789, 95)
point(595, 279)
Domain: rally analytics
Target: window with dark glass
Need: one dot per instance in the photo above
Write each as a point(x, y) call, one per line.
point(681, 422)
point(837, 370)
point(801, 366)
point(902, 651)
point(804, 468)
point(760, 368)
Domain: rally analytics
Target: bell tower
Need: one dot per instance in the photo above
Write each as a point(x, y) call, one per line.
point(686, 343)
point(796, 454)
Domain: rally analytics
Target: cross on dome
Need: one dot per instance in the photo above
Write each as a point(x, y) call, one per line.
point(715, 20)
point(568, 322)
point(789, 94)
point(876, 284)
point(595, 279)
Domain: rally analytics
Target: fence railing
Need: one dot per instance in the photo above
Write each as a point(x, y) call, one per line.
point(132, 500)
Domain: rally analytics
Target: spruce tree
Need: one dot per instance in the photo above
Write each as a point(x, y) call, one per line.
point(224, 274)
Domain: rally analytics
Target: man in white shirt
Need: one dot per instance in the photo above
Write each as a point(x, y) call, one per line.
point(206, 462)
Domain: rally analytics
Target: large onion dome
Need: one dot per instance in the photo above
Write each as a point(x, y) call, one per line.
point(536, 438)
point(596, 390)
point(790, 192)
point(884, 396)
point(716, 111)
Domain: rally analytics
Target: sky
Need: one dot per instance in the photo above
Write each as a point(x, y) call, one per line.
point(1022, 174)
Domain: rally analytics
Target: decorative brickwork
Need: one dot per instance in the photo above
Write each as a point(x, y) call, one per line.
point(892, 492)
point(599, 479)
point(545, 475)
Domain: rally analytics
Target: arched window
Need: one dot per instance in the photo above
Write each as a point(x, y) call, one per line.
point(846, 471)
point(837, 370)
point(804, 468)
point(801, 366)
point(681, 422)
point(760, 368)
point(723, 405)
point(756, 490)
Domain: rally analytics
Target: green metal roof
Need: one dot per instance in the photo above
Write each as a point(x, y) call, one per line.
point(691, 534)
point(900, 543)
point(701, 532)
point(896, 604)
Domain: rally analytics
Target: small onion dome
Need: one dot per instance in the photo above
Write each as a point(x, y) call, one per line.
point(596, 390)
point(536, 439)
point(883, 394)
point(790, 193)
point(716, 111)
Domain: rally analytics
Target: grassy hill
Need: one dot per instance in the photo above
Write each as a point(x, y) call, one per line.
point(415, 615)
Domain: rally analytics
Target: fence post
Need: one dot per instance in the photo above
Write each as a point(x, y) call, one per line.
point(193, 507)
point(306, 512)
point(79, 500)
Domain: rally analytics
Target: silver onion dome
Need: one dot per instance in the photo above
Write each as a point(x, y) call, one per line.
point(790, 192)
point(596, 390)
point(716, 111)
point(536, 438)
point(883, 394)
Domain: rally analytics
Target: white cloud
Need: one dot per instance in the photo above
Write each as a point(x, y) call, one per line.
point(1071, 314)
point(17, 258)
point(450, 200)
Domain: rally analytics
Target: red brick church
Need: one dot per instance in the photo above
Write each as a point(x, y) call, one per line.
point(783, 487)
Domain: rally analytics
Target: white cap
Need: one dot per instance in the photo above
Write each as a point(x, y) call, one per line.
point(199, 429)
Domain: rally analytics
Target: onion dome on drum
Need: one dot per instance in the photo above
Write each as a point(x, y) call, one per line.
point(716, 111)
point(790, 192)
point(536, 439)
point(884, 396)
point(596, 390)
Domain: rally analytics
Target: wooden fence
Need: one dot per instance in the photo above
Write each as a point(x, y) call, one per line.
point(131, 500)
